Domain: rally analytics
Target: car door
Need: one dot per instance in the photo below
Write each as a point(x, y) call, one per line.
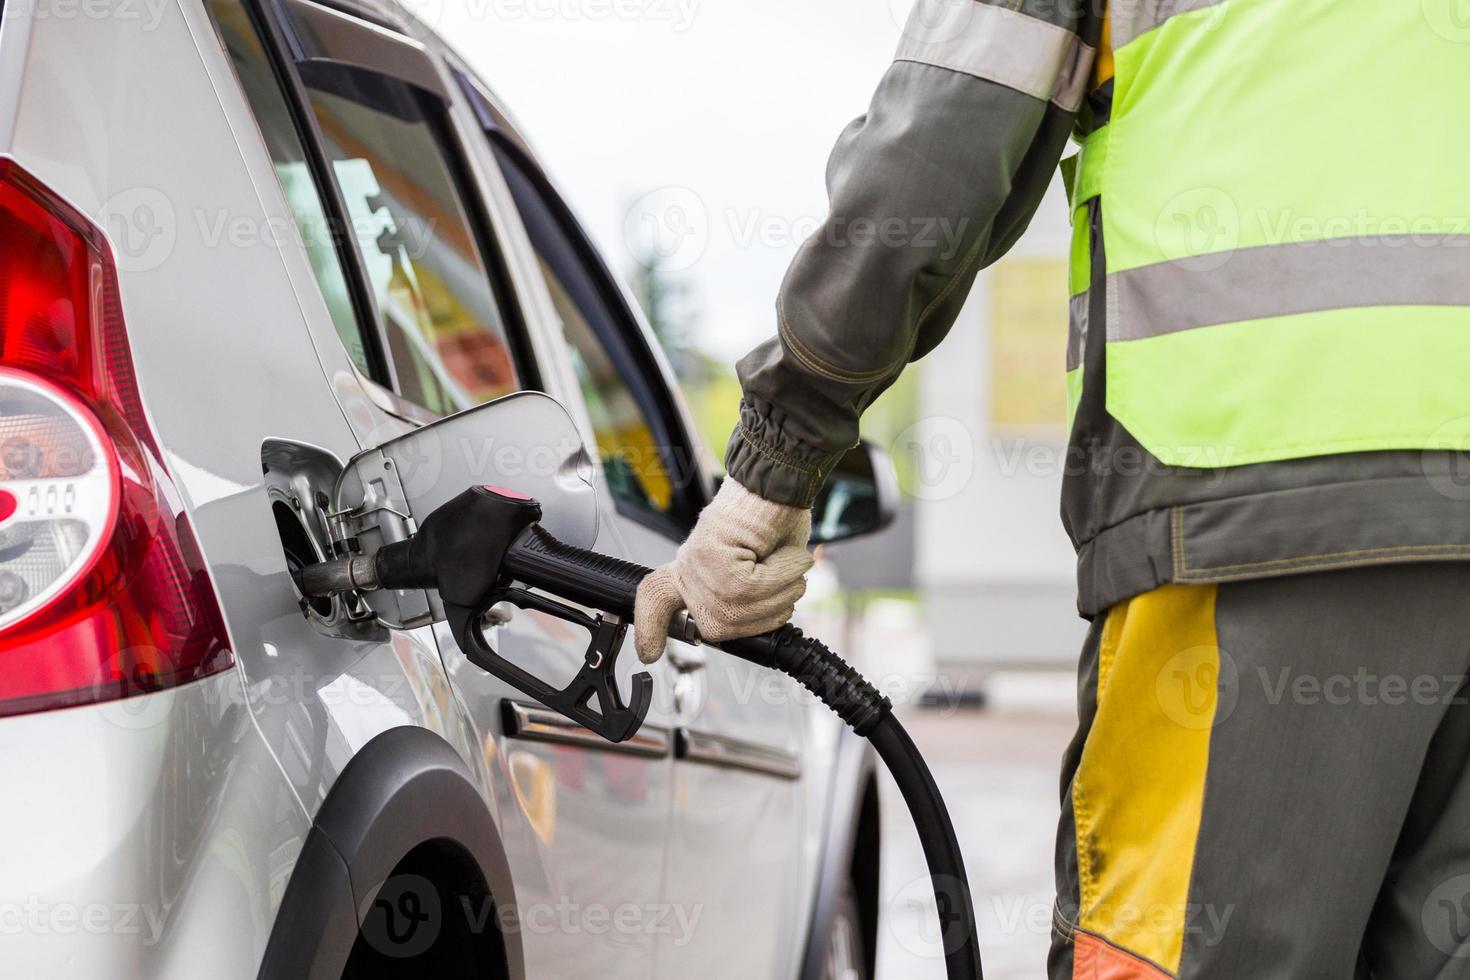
point(426, 309)
point(735, 836)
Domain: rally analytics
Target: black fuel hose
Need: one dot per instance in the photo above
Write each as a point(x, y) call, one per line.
point(538, 559)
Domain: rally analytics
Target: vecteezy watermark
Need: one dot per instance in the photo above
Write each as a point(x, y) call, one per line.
point(1206, 922)
point(943, 235)
point(1199, 229)
point(1445, 916)
point(565, 917)
point(925, 917)
point(148, 14)
point(1018, 455)
point(940, 451)
point(37, 917)
point(430, 15)
point(1361, 227)
point(144, 227)
point(408, 913)
point(936, 21)
point(1198, 687)
point(945, 693)
point(425, 457)
point(1449, 19)
point(668, 228)
point(679, 14)
point(1445, 461)
point(1361, 686)
point(671, 228)
point(917, 925)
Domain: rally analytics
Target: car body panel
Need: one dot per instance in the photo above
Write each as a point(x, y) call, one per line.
point(196, 802)
point(161, 837)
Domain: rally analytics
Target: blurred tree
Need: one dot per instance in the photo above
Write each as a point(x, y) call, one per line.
point(667, 301)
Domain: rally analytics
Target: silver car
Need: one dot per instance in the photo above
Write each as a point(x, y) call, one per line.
point(242, 244)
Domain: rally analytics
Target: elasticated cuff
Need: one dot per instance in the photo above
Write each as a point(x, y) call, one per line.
point(768, 462)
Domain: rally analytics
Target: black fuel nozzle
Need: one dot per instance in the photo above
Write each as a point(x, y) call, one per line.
point(474, 547)
point(460, 548)
point(472, 550)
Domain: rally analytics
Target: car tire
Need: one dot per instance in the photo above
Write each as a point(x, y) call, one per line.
point(844, 957)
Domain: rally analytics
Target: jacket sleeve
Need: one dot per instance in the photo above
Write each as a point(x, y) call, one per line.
point(935, 182)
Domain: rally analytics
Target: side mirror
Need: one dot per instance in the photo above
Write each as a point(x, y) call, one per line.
point(526, 442)
point(860, 496)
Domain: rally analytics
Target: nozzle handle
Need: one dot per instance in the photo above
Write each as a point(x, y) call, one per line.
point(541, 561)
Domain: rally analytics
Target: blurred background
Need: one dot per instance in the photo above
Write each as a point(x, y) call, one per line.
point(692, 138)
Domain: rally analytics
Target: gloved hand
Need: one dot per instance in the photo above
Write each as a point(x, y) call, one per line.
point(739, 573)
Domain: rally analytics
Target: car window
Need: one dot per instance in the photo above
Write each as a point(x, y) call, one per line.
point(443, 321)
point(268, 103)
point(637, 454)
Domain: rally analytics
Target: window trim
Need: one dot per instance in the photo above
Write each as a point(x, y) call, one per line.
point(325, 34)
point(629, 340)
point(286, 51)
point(380, 368)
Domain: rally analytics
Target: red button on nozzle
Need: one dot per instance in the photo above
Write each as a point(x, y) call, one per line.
point(507, 492)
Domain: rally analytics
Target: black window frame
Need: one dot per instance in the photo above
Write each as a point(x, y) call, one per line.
point(627, 345)
point(289, 54)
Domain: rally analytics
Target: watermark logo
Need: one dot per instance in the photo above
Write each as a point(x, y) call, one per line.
point(144, 705)
point(1450, 19)
point(147, 14)
point(34, 917)
point(1445, 462)
point(932, 21)
point(404, 916)
point(668, 229)
point(941, 452)
point(1446, 917)
point(927, 916)
point(425, 17)
point(1197, 229)
point(1198, 687)
point(142, 226)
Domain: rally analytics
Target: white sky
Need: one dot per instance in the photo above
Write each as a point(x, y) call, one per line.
point(723, 110)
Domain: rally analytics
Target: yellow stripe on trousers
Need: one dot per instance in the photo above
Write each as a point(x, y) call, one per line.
point(1139, 789)
point(1102, 64)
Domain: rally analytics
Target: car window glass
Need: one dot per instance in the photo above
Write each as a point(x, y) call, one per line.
point(268, 103)
point(444, 323)
point(636, 464)
point(625, 441)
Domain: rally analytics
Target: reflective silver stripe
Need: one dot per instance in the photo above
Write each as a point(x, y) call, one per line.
point(1134, 17)
point(1283, 280)
point(1076, 330)
point(1000, 45)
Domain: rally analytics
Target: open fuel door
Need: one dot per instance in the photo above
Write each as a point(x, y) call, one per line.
point(526, 442)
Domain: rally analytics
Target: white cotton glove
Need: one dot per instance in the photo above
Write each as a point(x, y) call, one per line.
point(739, 573)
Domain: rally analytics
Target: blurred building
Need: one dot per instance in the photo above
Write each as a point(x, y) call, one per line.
point(992, 563)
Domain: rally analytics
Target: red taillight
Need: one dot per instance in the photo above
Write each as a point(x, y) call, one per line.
point(103, 592)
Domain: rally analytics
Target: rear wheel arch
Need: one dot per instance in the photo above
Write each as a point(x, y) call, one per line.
point(402, 821)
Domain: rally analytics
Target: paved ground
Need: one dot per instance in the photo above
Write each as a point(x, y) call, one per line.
point(997, 769)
